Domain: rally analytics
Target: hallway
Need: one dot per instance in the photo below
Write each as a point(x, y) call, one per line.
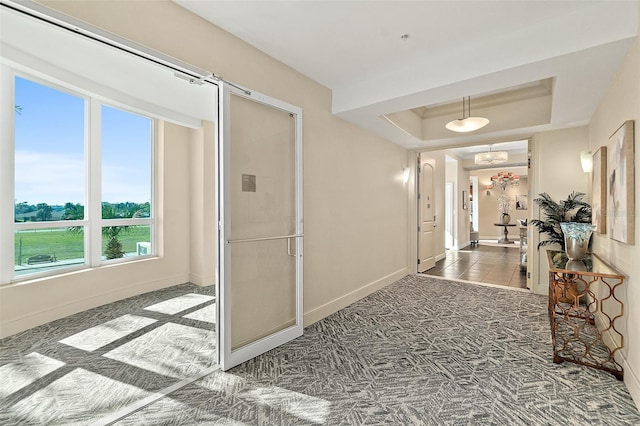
point(482, 263)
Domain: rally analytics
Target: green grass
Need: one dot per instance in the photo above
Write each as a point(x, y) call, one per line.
point(65, 244)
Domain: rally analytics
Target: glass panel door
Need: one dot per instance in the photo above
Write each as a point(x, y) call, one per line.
point(261, 232)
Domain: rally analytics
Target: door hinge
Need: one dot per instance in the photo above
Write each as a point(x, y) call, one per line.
point(418, 261)
point(419, 196)
point(418, 228)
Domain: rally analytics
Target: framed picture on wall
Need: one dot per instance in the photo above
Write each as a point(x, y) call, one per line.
point(620, 179)
point(522, 202)
point(599, 187)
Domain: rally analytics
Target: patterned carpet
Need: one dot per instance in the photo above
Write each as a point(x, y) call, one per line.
point(92, 364)
point(423, 351)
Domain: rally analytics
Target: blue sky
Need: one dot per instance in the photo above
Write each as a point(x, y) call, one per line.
point(50, 149)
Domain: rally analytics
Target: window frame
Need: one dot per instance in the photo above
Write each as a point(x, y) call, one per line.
point(93, 222)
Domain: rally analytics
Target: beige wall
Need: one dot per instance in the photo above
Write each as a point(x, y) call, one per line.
point(354, 201)
point(464, 216)
point(203, 206)
point(556, 170)
point(621, 103)
point(488, 213)
point(451, 173)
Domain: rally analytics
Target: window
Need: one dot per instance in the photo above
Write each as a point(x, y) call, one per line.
point(126, 183)
point(83, 181)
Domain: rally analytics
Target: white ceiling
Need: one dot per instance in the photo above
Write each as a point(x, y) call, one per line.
point(453, 49)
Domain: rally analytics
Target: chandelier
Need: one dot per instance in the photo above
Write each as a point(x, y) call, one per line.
point(467, 123)
point(504, 179)
point(491, 157)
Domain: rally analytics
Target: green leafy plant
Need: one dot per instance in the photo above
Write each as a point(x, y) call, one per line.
point(114, 248)
point(573, 209)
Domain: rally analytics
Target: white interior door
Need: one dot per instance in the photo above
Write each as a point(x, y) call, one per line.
point(426, 217)
point(260, 268)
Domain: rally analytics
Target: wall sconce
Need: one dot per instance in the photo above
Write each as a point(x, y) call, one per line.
point(489, 188)
point(586, 160)
point(406, 172)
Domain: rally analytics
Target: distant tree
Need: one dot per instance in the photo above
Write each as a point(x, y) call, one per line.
point(73, 212)
point(45, 212)
point(19, 208)
point(108, 211)
point(144, 209)
point(24, 207)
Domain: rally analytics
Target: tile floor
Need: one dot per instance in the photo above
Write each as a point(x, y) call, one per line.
point(482, 263)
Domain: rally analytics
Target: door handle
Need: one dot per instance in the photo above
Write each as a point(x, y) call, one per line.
point(289, 247)
point(252, 240)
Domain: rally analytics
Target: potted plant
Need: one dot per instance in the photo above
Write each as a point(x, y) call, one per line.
point(505, 205)
point(573, 209)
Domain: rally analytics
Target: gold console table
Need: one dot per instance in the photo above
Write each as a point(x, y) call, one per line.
point(583, 310)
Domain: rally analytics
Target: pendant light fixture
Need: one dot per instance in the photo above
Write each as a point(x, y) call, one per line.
point(491, 157)
point(467, 123)
point(504, 179)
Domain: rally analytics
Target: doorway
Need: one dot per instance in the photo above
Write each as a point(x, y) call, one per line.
point(260, 238)
point(475, 186)
point(426, 215)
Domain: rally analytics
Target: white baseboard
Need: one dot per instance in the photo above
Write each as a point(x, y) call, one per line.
point(460, 246)
point(632, 382)
point(25, 322)
point(316, 314)
point(495, 239)
point(441, 256)
point(465, 244)
point(611, 340)
point(202, 281)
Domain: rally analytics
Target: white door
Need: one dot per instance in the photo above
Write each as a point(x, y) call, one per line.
point(260, 193)
point(426, 217)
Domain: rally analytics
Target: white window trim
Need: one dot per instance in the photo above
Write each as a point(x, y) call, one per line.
point(7, 173)
point(93, 221)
